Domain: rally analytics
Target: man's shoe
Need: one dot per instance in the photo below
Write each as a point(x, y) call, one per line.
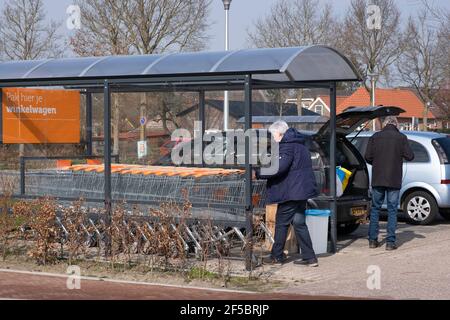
point(373, 244)
point(391, 246)
point(274, 261)
point(307, 263)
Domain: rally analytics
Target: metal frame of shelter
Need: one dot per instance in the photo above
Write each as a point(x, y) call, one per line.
point(247, 70)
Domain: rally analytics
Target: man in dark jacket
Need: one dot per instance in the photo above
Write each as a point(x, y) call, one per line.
point(290, 187)
point(385, 152)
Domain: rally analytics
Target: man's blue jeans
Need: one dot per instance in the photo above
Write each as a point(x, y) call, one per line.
point(378, 196)
point(292, 212)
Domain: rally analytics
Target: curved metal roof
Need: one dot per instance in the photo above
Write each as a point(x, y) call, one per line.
point(299, 64)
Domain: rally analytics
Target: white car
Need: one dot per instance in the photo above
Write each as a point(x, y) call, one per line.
point(426, 180)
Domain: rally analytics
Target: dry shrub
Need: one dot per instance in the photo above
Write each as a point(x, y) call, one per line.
point(164, 233)
point(213, 244)
point(7, 224)
point(167, 244)
point(121, 237)
point(76, 240)
point(157, 235)
point(39, 216)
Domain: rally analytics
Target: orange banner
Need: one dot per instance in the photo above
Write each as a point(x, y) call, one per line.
point(40, 116)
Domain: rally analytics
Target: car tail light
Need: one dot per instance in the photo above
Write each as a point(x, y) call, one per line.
point(445, 181)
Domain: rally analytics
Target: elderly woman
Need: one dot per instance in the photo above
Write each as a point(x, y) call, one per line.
point(290, 187)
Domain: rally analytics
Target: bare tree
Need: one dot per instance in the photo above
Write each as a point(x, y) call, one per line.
point(160, 26)
point(425, 63)
point(372, 50)
point(111, 27)
point(167, 25)
point(442, 101)
point(140, 26)
point(104, 32)
point(25, 33)
point(293, 23)
point(439, 14)
point(440, 18)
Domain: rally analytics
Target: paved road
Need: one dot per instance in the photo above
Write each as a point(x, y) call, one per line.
point(43, 287)
point(419, 269)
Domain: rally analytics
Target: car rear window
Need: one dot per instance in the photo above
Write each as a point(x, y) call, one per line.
point(420, 153)
point(360, 144)
point(445, 144)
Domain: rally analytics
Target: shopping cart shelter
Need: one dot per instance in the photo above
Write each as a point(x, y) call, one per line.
point(225, 192)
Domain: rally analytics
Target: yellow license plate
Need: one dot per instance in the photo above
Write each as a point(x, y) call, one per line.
point(359, 211)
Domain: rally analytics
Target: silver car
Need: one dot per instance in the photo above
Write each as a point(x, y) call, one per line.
point(426, 180)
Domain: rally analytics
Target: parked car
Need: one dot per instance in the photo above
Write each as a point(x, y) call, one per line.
point(353, 206)
point(168, 145)
point(426, 180)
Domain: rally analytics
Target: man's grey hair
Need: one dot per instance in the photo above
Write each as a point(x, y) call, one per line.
point(279, 126)
point(391, 120)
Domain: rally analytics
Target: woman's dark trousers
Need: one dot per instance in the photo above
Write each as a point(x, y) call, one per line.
point(292, 212)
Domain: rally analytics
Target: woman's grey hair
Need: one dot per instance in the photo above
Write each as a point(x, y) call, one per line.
point(391, 120)
point(279, 126)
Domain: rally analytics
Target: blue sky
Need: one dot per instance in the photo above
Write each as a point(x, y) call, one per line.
point(242, 14)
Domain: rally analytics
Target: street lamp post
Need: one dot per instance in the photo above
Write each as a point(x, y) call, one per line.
point(226, 104)
point(373, 85)
point(425, 116)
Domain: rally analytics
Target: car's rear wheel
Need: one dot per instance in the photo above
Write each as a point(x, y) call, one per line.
point(445, 213)
point(347, 228)
point(420, 207)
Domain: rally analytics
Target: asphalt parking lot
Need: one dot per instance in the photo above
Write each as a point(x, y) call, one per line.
point(419, 269)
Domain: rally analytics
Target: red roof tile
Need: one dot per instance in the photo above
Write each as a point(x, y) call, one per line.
point(403, 98)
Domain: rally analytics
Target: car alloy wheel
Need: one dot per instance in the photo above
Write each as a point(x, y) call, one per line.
point(418, 208)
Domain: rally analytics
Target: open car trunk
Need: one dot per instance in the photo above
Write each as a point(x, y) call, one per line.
point(353, 117)
point(359, 180)
point(347, 156)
